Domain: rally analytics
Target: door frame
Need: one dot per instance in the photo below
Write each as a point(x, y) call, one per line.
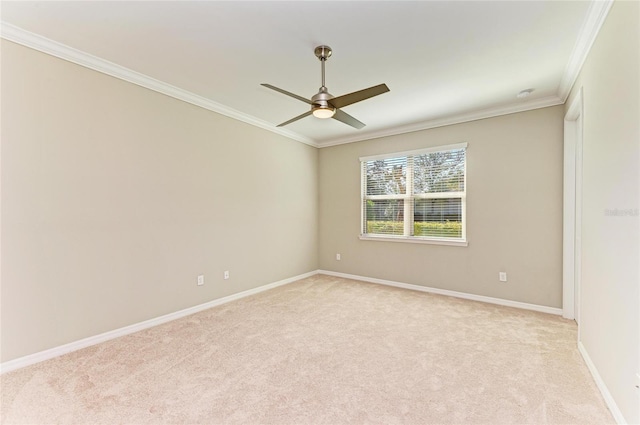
point(572, 210)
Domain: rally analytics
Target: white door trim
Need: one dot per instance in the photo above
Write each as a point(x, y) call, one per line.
point(572, 210)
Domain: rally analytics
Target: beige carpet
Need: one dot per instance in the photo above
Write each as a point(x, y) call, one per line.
point(322, 350)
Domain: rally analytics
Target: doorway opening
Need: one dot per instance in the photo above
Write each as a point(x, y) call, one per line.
point(572, 211)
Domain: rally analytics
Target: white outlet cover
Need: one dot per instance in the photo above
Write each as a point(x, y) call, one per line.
point(201, 280)
point(503, 276)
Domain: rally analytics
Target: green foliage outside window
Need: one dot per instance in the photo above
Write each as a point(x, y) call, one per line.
point(448, 229)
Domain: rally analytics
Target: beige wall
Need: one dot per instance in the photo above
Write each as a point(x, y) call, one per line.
point(514, 211)
point(610, 295)
point(115, 197)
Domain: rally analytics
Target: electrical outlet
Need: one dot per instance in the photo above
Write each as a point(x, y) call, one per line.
point(338, 257)
point(201, 280)
point(503, 276)
point(226, 274)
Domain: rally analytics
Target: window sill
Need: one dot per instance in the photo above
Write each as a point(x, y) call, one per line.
point(431, 241)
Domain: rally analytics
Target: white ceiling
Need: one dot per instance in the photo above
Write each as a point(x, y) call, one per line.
point(444, 62)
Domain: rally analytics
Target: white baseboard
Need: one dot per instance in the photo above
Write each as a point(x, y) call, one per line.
point(608, 398)
point(97, 339)
point(490, 300)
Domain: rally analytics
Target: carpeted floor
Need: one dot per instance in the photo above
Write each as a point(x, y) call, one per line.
point(323, 350)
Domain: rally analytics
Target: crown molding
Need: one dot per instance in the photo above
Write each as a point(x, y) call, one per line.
point(449, 120)
point(596, 16)
point(37, 42)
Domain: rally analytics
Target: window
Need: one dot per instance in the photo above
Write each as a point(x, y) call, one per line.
point(417, 196)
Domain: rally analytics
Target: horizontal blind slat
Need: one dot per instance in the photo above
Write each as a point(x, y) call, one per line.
point(435, 194)
point(386, 176)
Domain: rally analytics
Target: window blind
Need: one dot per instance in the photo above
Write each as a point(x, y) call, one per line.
point(418, 194)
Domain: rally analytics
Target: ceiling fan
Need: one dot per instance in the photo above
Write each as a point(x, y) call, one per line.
point(324, 105)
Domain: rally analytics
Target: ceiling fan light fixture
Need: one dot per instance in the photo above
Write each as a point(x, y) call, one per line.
point(324, 112)
point(324, 105)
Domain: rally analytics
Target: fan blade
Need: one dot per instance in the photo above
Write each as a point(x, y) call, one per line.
point(295, 96)
point(347, 119)
point(295, 119)
point(357, 96)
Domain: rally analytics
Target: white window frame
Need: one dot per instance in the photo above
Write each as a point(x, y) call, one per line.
point(409, 198)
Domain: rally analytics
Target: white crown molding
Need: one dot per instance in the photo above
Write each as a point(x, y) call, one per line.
point(103, 337)
point(37, 42)
point(448, 293)
point(450, 120)
point(596, 16)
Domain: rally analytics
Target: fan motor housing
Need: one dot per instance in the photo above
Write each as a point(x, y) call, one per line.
point(322, 99)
